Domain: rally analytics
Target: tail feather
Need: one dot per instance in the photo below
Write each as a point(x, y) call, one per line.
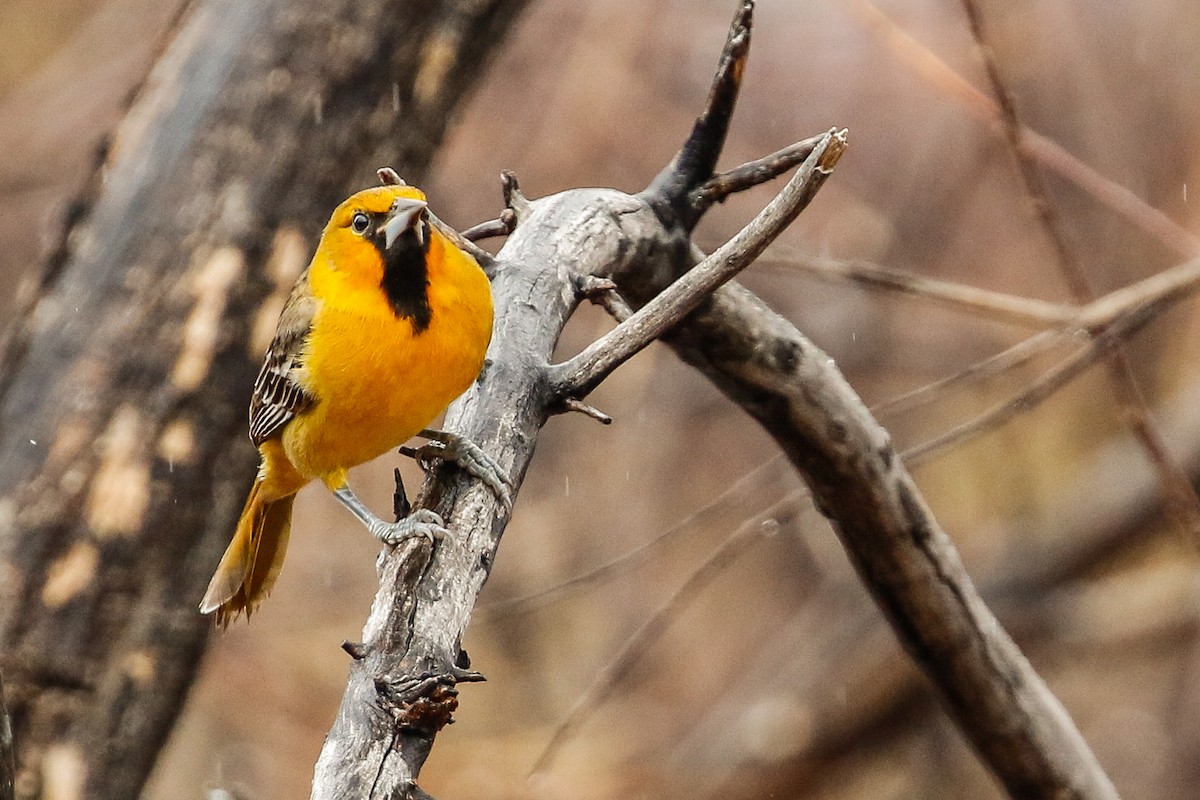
point(252, 561)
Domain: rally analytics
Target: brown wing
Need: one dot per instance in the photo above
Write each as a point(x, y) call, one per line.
point(277, 395)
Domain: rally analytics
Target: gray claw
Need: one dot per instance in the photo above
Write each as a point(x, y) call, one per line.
point(421, 522)
point(471, 457)
point(479, 464)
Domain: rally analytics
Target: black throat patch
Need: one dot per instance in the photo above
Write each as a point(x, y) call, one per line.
point(406, 278)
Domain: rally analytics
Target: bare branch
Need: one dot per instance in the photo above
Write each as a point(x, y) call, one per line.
point(485, 259)
point(578, 376)
point(1020, 353)
point(613, 303)
point(399, 692)
point(1115, 317)
point(1173, 283)
point(627, 561)
point(670, 193)
point(751, 174)
point(501, 226)
point(865, 690)
point(1030, 397)
point(733, 547)
point(1145, 299)
point(514, 201)
point(1151, 295)
point(571, 404)
point(411, 644)
point(996, 305)
point(1031, 177)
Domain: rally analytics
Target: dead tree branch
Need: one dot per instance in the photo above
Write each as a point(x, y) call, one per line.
point(1031, 395)
point(752, 173)
point(1024, 311)
point(584, 372)
point(411, 658)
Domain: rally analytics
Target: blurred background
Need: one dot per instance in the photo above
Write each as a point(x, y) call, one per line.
point(776, 677)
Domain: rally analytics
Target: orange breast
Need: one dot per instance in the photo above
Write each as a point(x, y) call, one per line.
point(378, 383)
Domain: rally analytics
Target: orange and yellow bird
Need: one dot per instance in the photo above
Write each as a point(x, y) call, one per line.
point(387, 325)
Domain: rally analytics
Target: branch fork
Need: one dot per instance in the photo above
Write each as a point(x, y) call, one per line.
point(578, 376)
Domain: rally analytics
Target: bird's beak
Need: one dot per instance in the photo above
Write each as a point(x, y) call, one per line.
point(404, 216)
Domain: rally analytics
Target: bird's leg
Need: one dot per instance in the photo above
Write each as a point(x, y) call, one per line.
point(421, 522)
point(446, 446)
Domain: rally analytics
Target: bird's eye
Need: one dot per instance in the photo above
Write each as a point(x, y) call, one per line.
point(360, 223)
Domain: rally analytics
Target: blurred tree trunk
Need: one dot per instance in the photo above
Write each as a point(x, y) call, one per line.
point(124, 381)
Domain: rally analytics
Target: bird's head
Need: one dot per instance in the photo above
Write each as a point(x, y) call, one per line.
point(380, 238)
point(390, 219)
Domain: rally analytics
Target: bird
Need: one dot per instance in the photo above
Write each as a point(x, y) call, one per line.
point(389, 323)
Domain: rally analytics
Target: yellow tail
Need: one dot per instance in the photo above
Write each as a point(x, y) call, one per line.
point(252, 561)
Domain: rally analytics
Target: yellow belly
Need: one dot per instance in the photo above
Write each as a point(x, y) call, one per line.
point(377, 383)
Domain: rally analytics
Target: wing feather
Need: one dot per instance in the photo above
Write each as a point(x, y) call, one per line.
point(278, 395)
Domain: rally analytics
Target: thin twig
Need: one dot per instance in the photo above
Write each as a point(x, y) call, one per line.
point(580, 407)
point(628, 560)
point(1031, 177)
point(514, 200)
point(1132, 319)
point(501, 226)
point(996, 305)
point(1020, 403)
point(1110, 320)
point(1182, 500)
point(1182, 279)
point(1020, 353)
point(898, 548)
point(1096, 348)
point(752, 173)
point(608, 678)
point(1158, 291)
point(584, 372)
point(612, 302)
point(1149, 296)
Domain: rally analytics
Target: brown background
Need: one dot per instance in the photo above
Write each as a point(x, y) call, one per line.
point(602, 93)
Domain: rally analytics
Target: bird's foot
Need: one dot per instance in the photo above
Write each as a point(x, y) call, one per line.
point(421, 522)
point(446, 446)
